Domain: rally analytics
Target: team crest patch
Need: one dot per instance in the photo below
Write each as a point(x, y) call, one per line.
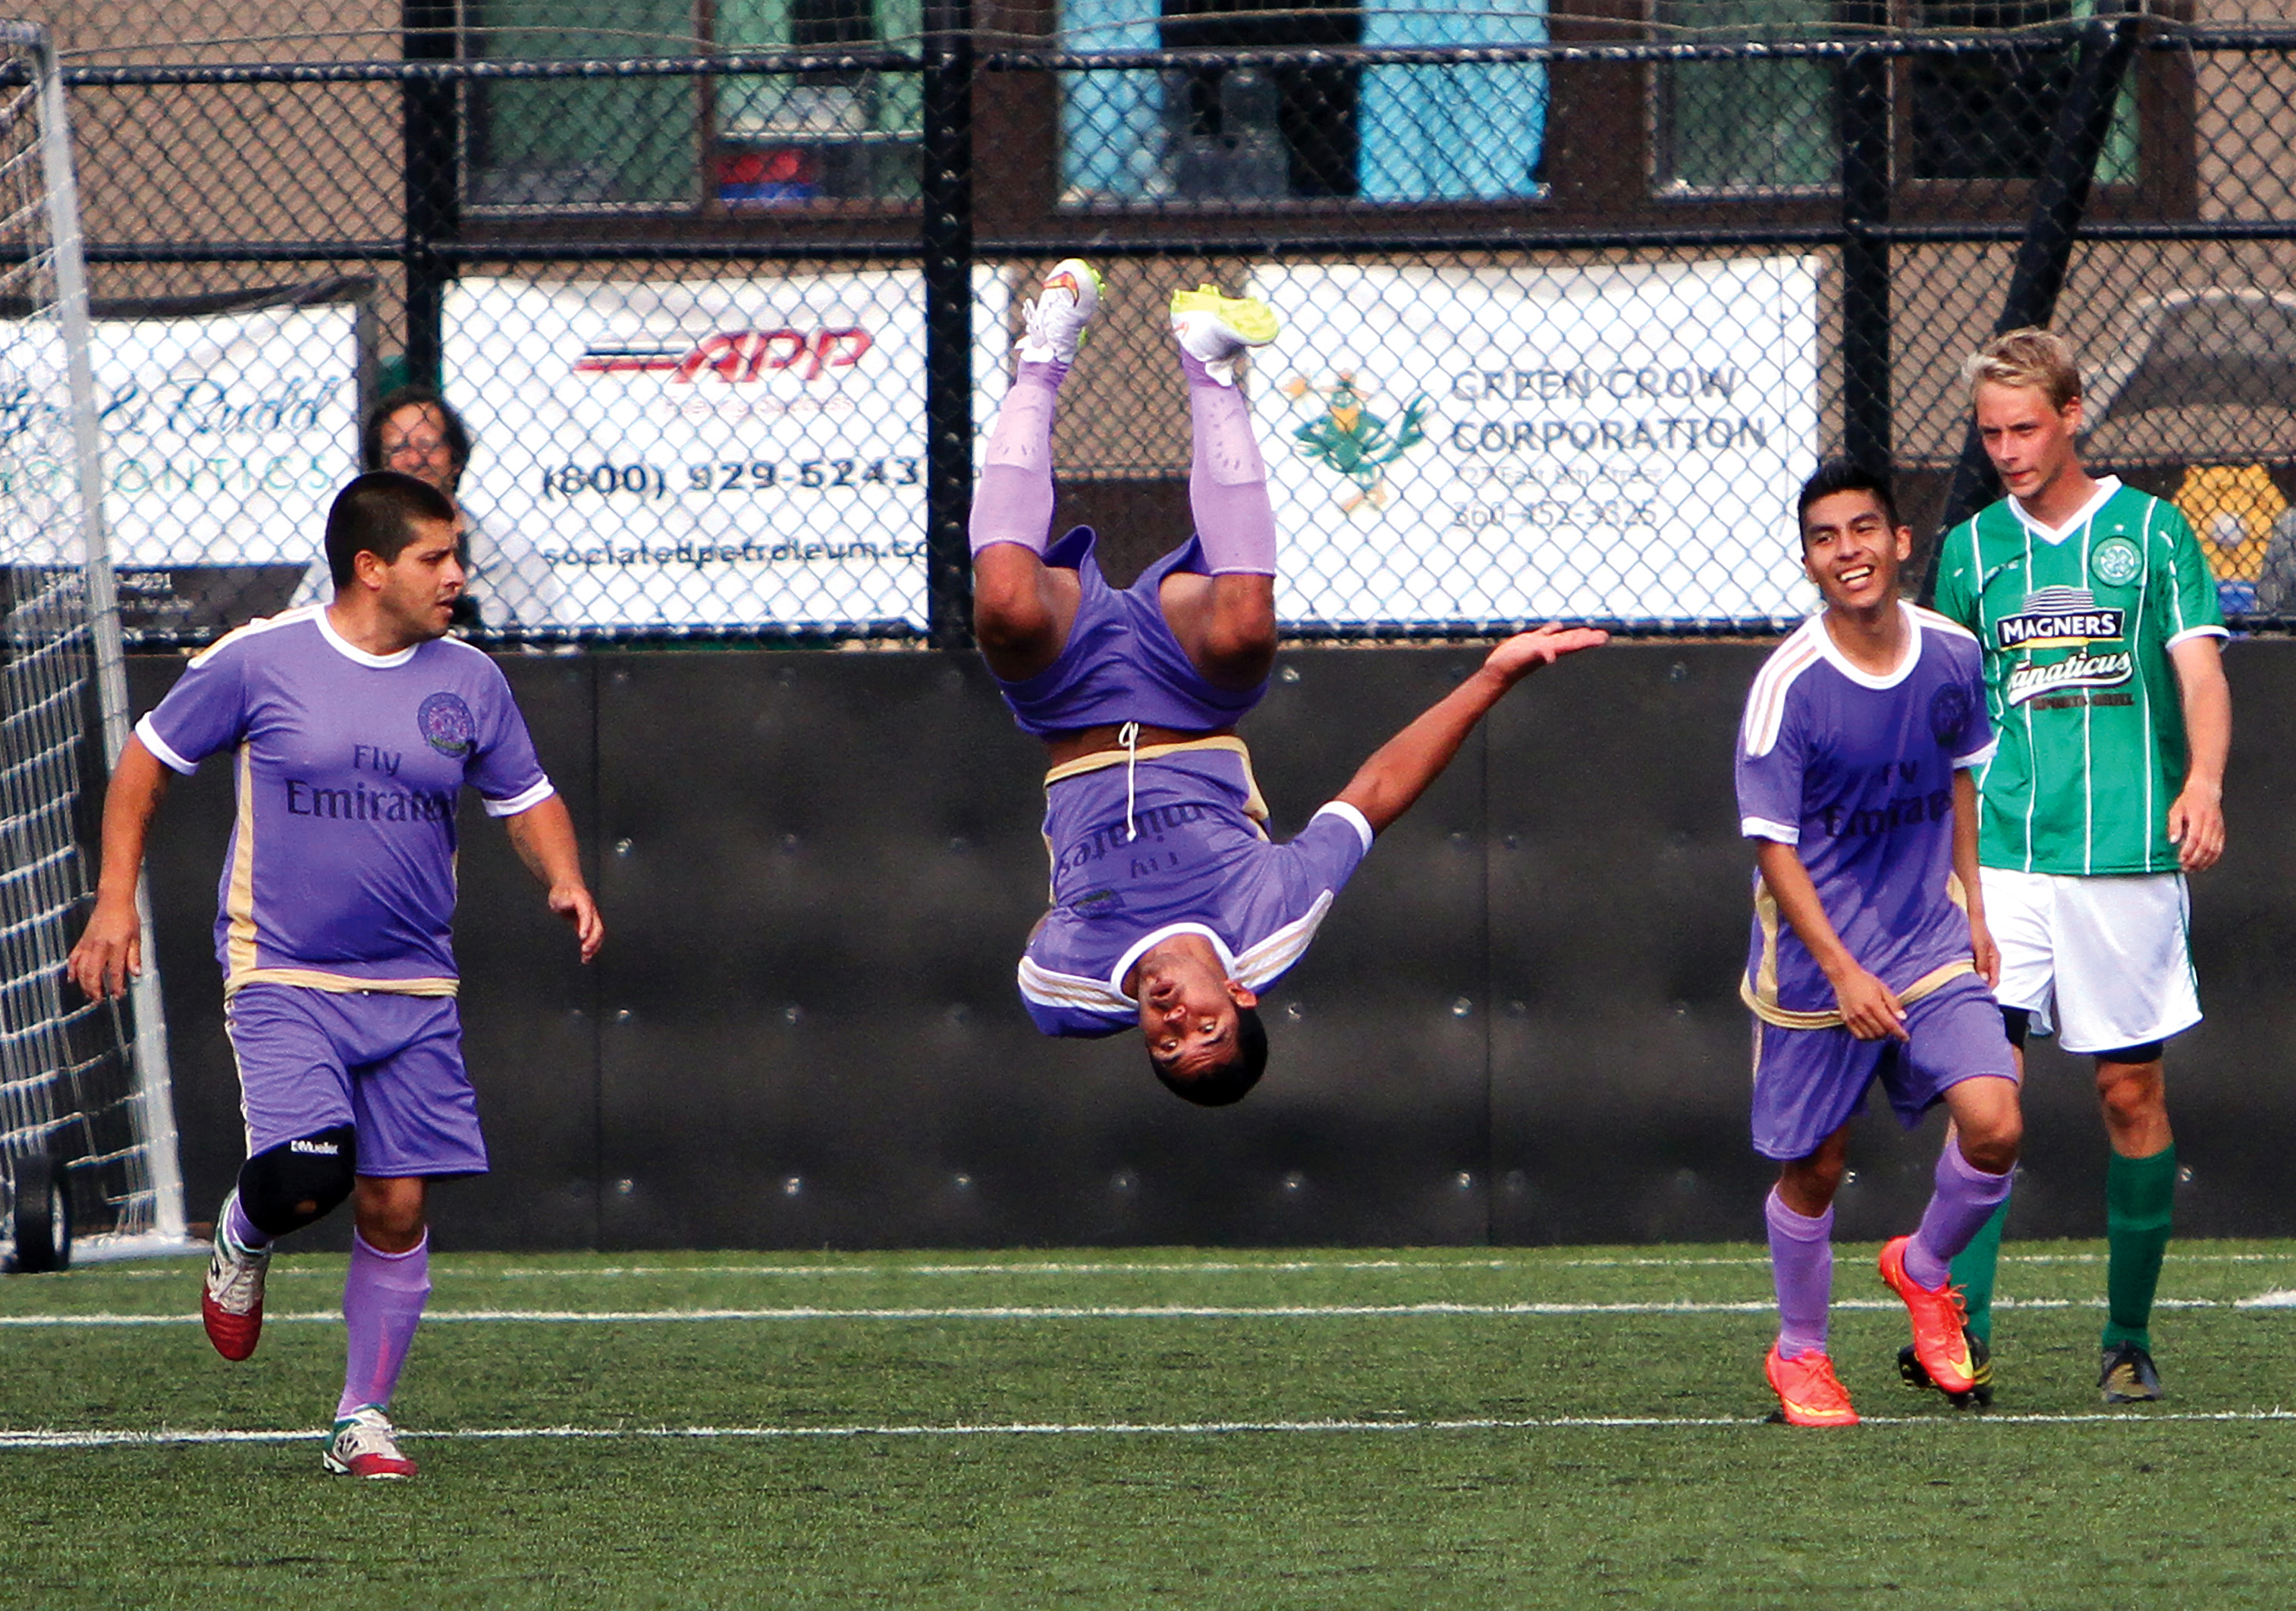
point(1949, 713)
point(2116, 561)
point(447, 725)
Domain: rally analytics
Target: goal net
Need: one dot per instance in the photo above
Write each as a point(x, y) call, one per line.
point(88, 1128)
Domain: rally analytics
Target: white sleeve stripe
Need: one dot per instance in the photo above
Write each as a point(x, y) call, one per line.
point(1266, 961)
point(526, 800)
point(1046, 988)
point(1762, 828)
point(2198, 632)
point(161, 752)
point(1944, 624)
point(1353, 817)
point(1978, 758)
point(1766, 705)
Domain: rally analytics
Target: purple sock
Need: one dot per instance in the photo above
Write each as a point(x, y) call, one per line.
point(242, 1229)
point(1801, 1264)
point(1012, 501)
point(382, 1303)
point(1964, 1198)
point(1227, 479)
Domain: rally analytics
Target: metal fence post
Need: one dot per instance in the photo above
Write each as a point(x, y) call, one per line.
point(2076, 141)
point(947, 246)
point(1865, 345)
point(432, 125)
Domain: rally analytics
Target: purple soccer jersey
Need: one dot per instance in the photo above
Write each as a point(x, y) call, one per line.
point(1856, 771)
point(1174, 850)
point(340, 870)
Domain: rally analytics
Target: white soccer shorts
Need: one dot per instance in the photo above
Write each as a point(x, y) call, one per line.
point(2102, 961)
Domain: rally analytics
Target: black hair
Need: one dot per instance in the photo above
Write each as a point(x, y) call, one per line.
point(1228, 1082)
point(1843, 475)
point(454, 432)
point(376, 514)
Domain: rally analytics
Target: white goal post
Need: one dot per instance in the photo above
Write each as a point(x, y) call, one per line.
point(87, 1131)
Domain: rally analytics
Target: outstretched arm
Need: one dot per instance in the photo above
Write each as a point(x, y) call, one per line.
point(1399, 770)
point(542, 835)
point(110, 951)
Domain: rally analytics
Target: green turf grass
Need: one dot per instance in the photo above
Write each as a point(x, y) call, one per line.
point(1122, 1496)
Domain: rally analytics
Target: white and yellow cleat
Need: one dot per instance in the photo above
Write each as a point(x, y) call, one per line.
point(1064, 305)
point(1216, 330)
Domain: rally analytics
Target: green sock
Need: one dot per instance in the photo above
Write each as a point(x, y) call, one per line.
point(1973, 1271)
point(2139, 1194)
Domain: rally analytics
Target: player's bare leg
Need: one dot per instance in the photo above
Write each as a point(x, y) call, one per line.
point(1971, 1183)
point(1226, 620)
point(1022, 607)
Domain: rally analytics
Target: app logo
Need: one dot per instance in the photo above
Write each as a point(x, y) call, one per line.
point(731, 355)
point(2116, 561)
point(447, 725)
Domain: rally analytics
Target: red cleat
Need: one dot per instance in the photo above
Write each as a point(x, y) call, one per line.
point(1940, 1334)
point(366, 1445)
point(232, 1303)
point(1810, 1395)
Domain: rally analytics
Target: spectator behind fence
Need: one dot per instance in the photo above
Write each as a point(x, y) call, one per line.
point(415, 430)
point(2233, 508)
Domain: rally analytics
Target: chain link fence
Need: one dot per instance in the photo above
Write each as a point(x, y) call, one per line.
point(1574, 294)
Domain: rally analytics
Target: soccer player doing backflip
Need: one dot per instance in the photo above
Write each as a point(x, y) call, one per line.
point(353, 729)
point(1171, 910)
point(1870, 957)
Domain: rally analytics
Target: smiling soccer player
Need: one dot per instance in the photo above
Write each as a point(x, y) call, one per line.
point(1870, 958)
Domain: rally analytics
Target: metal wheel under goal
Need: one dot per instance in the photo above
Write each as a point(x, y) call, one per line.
point(35, 1221)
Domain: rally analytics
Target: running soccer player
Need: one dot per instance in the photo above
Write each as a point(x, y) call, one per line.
point(354, 727)
point(2101, 628)
point(1171, 909)
point(1853, 780)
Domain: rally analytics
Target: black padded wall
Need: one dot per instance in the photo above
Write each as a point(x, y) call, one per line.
point(1520, 1023)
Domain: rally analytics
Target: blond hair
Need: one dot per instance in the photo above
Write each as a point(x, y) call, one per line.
point(2030, 356)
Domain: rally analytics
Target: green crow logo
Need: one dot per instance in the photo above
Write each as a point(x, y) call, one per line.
point(1350, 439)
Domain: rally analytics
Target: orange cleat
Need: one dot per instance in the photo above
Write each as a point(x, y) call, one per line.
point(1810, 1395)
point(1940, 1334)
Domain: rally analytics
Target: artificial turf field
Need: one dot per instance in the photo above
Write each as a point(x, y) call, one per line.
point(1415, 1428)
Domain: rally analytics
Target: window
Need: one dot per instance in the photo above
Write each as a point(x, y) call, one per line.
point(1747, 128)
point(740, 142)
point(1766, 128)
point(1387, 133)
point(1990, 117)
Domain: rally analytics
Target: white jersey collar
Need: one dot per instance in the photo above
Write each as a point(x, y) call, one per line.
point(1896, 675)
point(352, 652)
point(1146, 942)
point(2107, 486)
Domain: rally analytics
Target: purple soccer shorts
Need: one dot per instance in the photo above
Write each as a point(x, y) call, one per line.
point(1809, 1083)
point(390, 1065)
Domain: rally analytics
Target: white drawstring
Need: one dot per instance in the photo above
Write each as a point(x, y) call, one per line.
point(1128, 735)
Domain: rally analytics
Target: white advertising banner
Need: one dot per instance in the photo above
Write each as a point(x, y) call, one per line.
point(1610, 442)
point(225, 436)
point(720, 453)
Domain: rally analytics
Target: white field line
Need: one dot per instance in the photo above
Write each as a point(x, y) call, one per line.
point(1144, 1267)
point(105, 1438)
point(1155, 1311)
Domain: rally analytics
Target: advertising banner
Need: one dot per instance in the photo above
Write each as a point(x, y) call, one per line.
point(1611, 442)
point(718, 453)
point(225, 434)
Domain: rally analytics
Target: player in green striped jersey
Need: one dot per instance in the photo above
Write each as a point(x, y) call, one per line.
point(2100, 631)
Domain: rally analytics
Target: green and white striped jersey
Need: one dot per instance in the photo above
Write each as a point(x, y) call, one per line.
point(2076, 626)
